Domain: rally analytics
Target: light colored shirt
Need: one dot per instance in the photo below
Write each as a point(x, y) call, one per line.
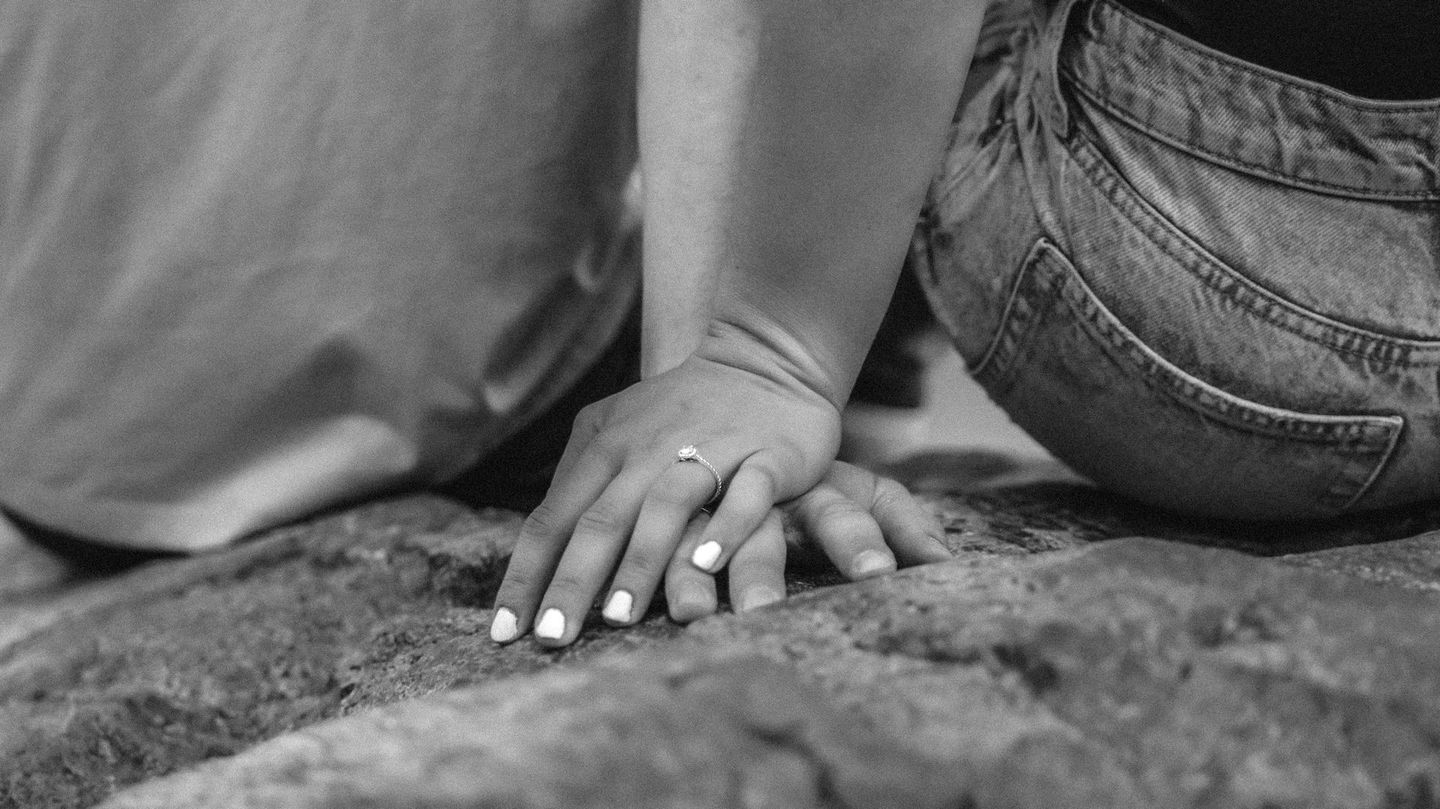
point(261, 256)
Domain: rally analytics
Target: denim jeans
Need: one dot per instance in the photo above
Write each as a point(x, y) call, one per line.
point(1201, 283)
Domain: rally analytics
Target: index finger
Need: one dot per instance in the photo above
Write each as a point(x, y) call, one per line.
point(543, 537)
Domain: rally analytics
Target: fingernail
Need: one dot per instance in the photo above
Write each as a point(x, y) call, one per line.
point(551, 626)
point(503, 629)
point(757, 597)
point(706, 555)
point(617, 609)
point(870, 563)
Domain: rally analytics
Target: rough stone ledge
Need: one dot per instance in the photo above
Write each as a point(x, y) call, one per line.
point(106, 682)
point(1129, 673)
point(117, 680)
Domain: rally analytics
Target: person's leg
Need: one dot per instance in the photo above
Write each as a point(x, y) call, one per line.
point(1202, 285)
point(83, 554)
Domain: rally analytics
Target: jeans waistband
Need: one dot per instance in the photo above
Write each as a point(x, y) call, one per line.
point(1247, 117)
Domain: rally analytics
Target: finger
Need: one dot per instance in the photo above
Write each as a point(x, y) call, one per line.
point(912, 531)
point(674, 498)
point(748, 499)
point(588, 559)
point(543, 537)
point(847, 533)
point(757, 570)
point(689, 592)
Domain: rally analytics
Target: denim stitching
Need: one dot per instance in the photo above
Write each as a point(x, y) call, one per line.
point(1364, 439)
point(1227, 159)
point(1223, 62)
point(1005, 337)
point(1318, 427)
point(1259, 301)
point(1380, 465)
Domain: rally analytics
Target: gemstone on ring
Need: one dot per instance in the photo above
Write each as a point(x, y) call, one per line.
point(691, 454)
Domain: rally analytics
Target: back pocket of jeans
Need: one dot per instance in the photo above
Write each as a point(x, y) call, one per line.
point(1084, 385)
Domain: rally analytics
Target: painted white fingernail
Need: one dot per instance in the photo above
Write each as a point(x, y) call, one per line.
point(706, 555)
point(757, 597)
point(503, 629)
point(551, 626)
point(870, 563)
point(617, 609)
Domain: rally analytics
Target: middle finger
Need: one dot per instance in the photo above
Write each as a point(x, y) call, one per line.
point(588, 559)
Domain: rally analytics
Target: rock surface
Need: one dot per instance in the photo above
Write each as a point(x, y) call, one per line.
point(1105, 674)
point(1133, 673)
point(104, 683)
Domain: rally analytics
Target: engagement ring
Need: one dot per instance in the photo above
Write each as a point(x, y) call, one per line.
point(690, 453)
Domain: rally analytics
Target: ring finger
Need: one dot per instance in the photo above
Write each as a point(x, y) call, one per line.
point(670, 507)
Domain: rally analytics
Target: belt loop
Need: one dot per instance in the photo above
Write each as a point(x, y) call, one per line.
point(1052, 38)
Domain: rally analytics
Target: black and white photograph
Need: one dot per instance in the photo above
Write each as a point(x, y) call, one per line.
point(769, 404)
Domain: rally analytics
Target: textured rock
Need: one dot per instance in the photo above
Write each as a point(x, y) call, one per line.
point(995, 504)
point(108, 682)
point(1129, 673)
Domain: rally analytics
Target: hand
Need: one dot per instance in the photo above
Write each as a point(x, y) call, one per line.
point(864, 523)
point(619, 502)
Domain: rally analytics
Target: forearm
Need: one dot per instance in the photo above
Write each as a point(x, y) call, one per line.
point(786, 148)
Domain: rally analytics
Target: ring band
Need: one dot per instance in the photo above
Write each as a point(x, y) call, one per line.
point(689, 453)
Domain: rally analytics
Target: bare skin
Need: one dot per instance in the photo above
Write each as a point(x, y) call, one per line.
point(786, 147)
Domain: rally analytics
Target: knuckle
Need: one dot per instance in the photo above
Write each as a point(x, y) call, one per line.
point(517, 582)
point(847, 523)
point(890, 494)
point(544, 523)
point(643, 566)
point(839, 511)
point(599, 519)
point(761, 478)
point(563, 587)
point(813, 502)
point(589, 416)
point(609, 445)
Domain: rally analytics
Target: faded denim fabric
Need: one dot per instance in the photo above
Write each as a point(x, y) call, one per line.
point(1201, 283)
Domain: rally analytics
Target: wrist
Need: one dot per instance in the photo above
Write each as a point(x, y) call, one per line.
point(759, 346)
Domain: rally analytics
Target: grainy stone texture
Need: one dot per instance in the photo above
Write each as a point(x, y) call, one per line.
point(1105, 674)
point(1134, 673)
point(104, 683)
